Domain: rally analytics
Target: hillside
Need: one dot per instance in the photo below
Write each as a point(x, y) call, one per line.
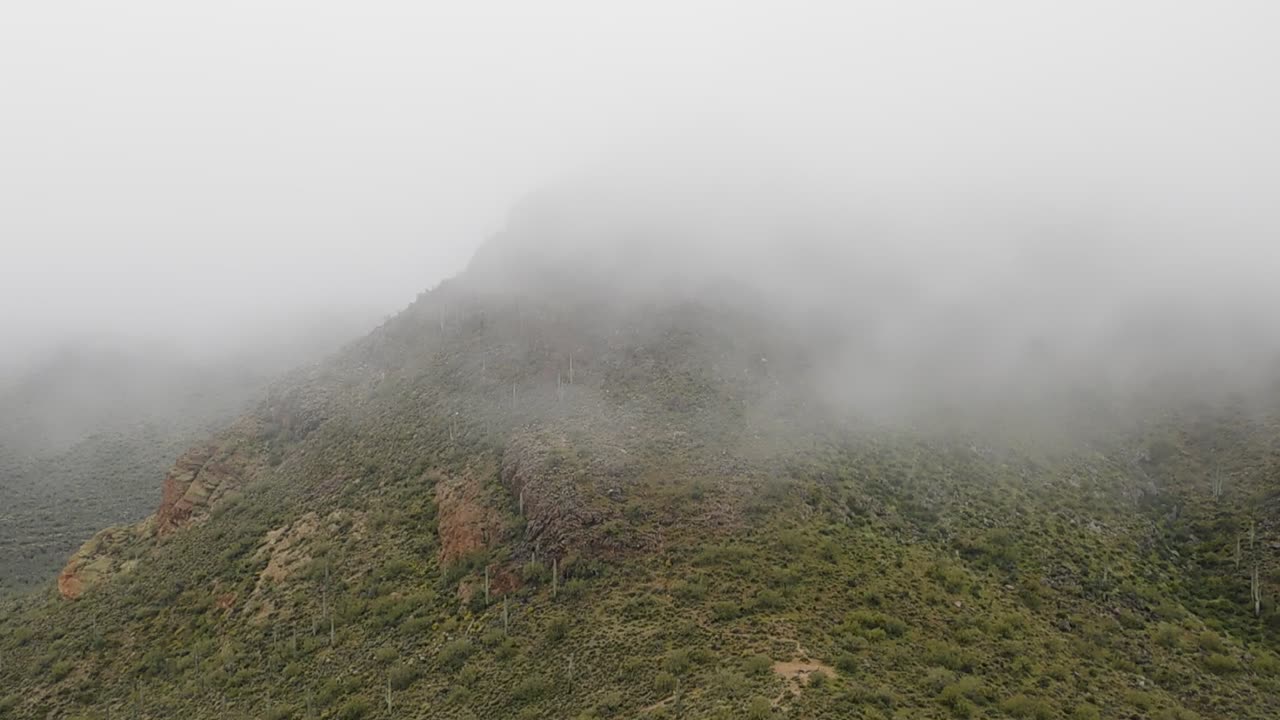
point(88, 430)
point(541, 493)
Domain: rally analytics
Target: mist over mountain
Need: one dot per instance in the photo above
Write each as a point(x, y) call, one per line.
point(666, 361)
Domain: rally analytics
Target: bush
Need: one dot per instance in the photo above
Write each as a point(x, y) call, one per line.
point(557, 629)
point(725, 610)
point(966, 689)
point(1169, 635)
point(454, 653)
point(1086, 712)
point(401, 676)
point(1267, 665)
point(1221, 664)
point(1211, 641)
point(758, 664)
point(610, 703)
point(354, 709)
point(759, 708)
point(677, 661)
point(944, 654)
point(529, 689)
point(664, 682)
point(1021, 706)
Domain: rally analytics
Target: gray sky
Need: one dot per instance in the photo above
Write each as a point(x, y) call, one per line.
point(187, 169)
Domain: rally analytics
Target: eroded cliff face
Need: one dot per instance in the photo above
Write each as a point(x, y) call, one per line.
point(206, 474)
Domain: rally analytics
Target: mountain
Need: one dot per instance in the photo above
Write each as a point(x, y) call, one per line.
point(600, 474)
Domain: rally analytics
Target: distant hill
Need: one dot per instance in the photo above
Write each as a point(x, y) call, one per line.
point(569, 485)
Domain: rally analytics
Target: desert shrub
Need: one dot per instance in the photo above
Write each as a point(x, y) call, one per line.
point(609, 704)
point(454, 653)
point(664, 682)
point(1267, 665)
point(574, 589)
point(401, 676)
point(354, 709)
point(1169, 635)
point(1086, 712)
point(677, 661)
point(758, 664)
point(1021, 706)
point(557, 629)
point(690, 591)
point(953, 579)
point(944, 654)
point(938, 678)
point(1211, 641)
point(759, 708)
point(725, 610)
point(1221, 664)
point(729, 683)
point(1175, 714)
point(529, 689)
point(966, 689)
point(1140, 700)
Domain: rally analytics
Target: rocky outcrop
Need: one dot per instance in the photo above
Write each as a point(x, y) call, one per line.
point(469, 519)
point(568, 506)
point(206, 474)
point(198, 480)
point(99, 559)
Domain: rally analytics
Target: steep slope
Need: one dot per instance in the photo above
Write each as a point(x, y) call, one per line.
point(536, 493)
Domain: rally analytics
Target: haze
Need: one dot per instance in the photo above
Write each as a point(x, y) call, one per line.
point(205, 175)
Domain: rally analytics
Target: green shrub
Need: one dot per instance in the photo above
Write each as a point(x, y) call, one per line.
point(1169, 635)
point(454, 653)
point(1021, 706)
point(1221, 664)
point(725, 610)
point(354, 709)
point(609, 704)
point(664, 682)
point(759, 708)
point(529, 689)
point(401, 676)
point(1086, 712)
point(967, 688)
point(1211, 641)
point(677, 661)
point(557, 629)
point(758, 664)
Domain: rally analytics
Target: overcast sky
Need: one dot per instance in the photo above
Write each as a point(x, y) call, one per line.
point(186, 168)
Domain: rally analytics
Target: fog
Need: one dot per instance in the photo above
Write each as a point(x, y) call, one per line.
point(205, 176)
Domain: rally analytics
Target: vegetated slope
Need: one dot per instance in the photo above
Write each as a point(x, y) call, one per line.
point(88, 432)
point(553, 498)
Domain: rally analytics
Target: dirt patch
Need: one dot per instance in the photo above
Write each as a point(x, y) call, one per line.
point(798, 672)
